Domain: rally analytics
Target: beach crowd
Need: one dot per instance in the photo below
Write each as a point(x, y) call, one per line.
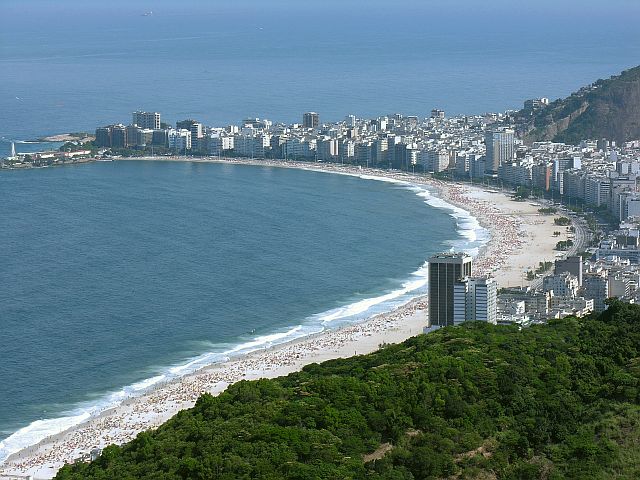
point(148, 410)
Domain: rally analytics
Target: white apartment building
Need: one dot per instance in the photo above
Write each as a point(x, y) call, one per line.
point(596, 190)
point(562, 285)
point(475, 298)
point(517, 173)
point(218, 143)
point(179, 140)
point(434, 160)
point(500, 148)
point(146, 120)
point(596, 287)
point(253, 146)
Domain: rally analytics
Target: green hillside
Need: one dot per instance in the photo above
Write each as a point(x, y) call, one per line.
point(470, 402)
point(606, 109)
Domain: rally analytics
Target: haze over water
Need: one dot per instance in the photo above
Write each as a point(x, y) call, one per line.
point(71, 65)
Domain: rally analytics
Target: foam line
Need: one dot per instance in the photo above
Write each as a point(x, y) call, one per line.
point(473, 236)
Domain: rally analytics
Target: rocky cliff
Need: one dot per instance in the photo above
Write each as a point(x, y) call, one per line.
point(605, 109)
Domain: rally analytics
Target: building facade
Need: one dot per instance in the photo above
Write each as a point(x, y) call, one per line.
point(596, 287)
point(500, 147)
point(475, 298)
point(179, 140)
point(310, 120)
point(445, 270)
point(572, 265)
point(146, 120)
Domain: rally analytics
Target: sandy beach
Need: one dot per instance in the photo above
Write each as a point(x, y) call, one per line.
point(520, 238)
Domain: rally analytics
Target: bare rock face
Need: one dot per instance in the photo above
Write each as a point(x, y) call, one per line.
point(606, 109)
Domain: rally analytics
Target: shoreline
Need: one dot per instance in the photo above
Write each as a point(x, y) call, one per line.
point(509, 232)
point(64, 137)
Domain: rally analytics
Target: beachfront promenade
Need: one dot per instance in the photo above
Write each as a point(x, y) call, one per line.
point(519, 239)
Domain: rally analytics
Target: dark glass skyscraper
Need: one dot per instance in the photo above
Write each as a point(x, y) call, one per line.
point(310, 120)
point(445, 270)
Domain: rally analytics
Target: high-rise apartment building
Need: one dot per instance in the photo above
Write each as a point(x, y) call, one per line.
point(197, 130)
point(475, 298)
point(132, 135)
point(119, 136)
point(197, 136)
point(444, 271)
point(310, 120)
point(146, 120)
point(596, 287)
point(179, 140)
point(572, 265)
point(500, 147)
point(103, 137)
point(160, 137)
point(350, 121)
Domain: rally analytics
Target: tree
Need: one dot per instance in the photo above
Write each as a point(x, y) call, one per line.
point(522, 193)
point(562, 221)
point(559, 400)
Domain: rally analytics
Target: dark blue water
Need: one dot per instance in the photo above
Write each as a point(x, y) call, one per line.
point(113, 272)
point(73, 65)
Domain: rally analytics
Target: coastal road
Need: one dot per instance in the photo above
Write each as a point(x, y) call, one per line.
point(582, 236)
point(581, 240)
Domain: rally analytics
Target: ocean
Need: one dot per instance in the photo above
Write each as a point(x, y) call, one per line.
point(119, 275)
point(220, 62)
point(114, 276)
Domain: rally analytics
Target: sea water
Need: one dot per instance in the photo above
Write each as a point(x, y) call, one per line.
point(116, 276)
point(73, 65)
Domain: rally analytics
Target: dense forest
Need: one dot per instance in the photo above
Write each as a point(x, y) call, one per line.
point(475, 401)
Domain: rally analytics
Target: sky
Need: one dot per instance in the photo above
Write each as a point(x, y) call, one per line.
point(604, 8)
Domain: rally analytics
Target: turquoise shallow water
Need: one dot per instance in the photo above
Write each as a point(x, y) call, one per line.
point(116, 275)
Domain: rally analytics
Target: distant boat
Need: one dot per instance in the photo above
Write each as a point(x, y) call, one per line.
point(147, 14)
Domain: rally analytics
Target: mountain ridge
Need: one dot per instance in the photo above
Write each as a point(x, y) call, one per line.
point(608, 108)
